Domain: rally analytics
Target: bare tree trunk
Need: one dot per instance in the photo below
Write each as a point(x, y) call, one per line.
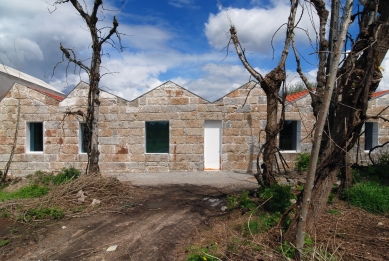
point(359, 77)
point(98, 39)
point(271, 84)
point(320, 123)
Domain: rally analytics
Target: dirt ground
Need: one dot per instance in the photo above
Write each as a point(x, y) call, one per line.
point(157, 225)
point(161, 222)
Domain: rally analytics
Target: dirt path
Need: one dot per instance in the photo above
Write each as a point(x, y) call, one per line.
point(158, 226)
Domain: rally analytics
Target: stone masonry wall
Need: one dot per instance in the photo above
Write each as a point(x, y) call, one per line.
point(122, 129)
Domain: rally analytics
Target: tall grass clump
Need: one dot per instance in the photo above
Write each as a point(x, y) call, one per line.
point(370, 196)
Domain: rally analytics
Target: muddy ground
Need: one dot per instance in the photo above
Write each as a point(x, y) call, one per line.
point(161, 222)
point(157, 225)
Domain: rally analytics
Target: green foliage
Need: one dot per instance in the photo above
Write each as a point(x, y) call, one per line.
point(288, 250)
point(40, 177)
point(262, 224)
point(334, 212)
point(370, 196)
point(4, 242)
point(278, 197)
point(303, 161)
point(4, 213)
point(31, 191)
point(44, 213)
point(198, 253)
point(331, 197)
point(241, 201)
point(66, 175)
point(378, 172)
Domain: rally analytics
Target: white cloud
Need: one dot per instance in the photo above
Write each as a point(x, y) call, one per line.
point(256, 27)
point(384, 84)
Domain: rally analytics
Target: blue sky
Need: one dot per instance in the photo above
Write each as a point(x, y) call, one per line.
point(178, 40)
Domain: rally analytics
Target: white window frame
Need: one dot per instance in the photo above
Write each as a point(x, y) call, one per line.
point(374, 135)
point(296, 138)
point(80, 138)
point(145, 140)
point(28, 138)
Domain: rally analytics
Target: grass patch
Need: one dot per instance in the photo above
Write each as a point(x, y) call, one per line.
point(31, 191)
point(4, 242)
point(370, 196)
point(46, 179)
point(208, 253)
point(334, 212)
point(262, 223)
point(44, 213)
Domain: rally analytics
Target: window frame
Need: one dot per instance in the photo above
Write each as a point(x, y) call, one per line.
point(145, 138)
point(28, 138)
point(81, 139)
point(296, 137)
point(373, 131)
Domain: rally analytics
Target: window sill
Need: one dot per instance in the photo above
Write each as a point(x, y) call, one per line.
point(34, 152)
point(160, 153)
point(289, 151)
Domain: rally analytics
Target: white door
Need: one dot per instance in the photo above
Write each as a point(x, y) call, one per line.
point(212, 145)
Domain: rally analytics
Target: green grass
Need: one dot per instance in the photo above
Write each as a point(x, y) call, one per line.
point(44, 213)
point(31, 191)
point(64, 176)
point(262, 223)
point(4, 242)
point(370, 196)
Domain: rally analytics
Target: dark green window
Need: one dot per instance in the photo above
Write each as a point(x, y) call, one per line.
point(290, 136)
point(371, 135)
point(83, 138)
point(157, 137)
point(35, 136)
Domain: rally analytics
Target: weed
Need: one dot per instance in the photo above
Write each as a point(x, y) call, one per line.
point(288, 250)
point(4, 242)
point(241, 201)
point(334, 212)
point(40, 177)
point(202, 253)
point(331, 197)
point(278, 197)
point(31, 191)
point(303, 161)
point(4, 213)
point(66, 175)
point(370, 196)
point(263, 223)
point(44, 213)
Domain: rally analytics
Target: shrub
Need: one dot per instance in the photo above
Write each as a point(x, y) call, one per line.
point(66, 175)
point(370, 196)
point(262, 224)
point(242, 201)
point(278, 197)
point(303, 161)
point(44, 213)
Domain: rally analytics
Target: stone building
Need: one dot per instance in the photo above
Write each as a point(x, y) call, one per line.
point(167, 129)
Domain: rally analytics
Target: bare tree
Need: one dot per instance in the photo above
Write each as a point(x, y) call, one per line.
point(271, 84)
point(99, 36)
point(355, 79)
